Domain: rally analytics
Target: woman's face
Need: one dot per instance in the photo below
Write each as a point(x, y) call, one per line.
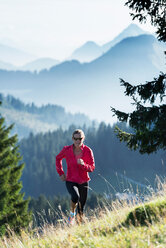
point(78, 139)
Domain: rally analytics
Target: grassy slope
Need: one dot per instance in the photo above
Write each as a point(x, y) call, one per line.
point(106, 229)
point(27, 120)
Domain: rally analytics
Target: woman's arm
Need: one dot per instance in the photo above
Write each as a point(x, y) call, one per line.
point(89, 164)
point(59, 158)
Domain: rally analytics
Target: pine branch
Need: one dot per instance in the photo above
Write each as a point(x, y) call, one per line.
point(155, 10)
point(148, 91)
point(120, 115)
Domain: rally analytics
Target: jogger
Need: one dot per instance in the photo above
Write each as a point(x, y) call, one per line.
point(80, 161)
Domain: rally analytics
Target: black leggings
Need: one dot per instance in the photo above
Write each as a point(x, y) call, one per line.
point(78, 194)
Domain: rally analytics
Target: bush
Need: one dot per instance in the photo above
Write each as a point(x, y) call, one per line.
point(147, 213)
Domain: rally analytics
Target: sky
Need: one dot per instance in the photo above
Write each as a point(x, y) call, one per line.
point(54, 28)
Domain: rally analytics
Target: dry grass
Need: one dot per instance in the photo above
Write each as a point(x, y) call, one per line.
point(106, 228)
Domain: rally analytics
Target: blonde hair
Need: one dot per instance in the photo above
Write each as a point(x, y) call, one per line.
point(79, 131)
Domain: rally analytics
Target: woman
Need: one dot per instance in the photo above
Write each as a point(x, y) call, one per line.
point(80, 161)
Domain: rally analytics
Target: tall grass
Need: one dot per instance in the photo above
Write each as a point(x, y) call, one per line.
point(114, 225)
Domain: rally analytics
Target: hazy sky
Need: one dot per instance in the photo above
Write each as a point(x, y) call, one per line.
point(55, 28)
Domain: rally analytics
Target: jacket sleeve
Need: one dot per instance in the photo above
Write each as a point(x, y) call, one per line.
point(59, 158)
point(89, 164)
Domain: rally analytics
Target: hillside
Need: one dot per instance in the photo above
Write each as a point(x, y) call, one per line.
point(111, 227)
point(30, 118)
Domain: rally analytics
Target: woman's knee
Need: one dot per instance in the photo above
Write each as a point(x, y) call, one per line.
point(75, 198)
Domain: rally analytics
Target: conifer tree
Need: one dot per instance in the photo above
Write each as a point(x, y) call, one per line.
point(148, 120)
point(14, 213)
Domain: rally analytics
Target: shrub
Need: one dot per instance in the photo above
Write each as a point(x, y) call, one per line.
point(147, 213)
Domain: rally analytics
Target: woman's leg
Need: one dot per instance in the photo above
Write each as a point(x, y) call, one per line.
point(73, 191)
point(83, 192)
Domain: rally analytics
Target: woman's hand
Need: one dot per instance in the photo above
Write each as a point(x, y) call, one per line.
point(63, 177)
point(80, 161)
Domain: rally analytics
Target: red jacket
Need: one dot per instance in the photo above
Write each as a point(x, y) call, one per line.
point(76, 172)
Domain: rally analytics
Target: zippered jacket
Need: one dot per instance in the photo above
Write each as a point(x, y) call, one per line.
point(76, 172)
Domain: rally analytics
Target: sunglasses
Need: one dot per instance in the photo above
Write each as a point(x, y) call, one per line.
point(77, 138)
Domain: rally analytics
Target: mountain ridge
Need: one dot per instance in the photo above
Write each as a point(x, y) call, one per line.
point(130, 31)
point(97, 81)
point(91, 50)
point(86, 53)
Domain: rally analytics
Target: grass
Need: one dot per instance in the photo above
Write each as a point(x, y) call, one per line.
point(123, 224)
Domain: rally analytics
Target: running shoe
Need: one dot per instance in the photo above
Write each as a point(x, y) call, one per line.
point(71, 219)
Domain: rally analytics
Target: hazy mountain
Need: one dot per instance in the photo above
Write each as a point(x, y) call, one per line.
point(36, 65)
point(86, 53)
point(7, 66)
point(14, 56)
point(91, 51)
point(40, 64)
point(90, 87)
point(131, 30)
point(132, 53)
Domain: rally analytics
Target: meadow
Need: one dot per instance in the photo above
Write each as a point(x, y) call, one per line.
point(123, 223)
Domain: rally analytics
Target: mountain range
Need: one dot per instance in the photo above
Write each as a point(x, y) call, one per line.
point(15, 59)
point(93, 87)
point(90, 50)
